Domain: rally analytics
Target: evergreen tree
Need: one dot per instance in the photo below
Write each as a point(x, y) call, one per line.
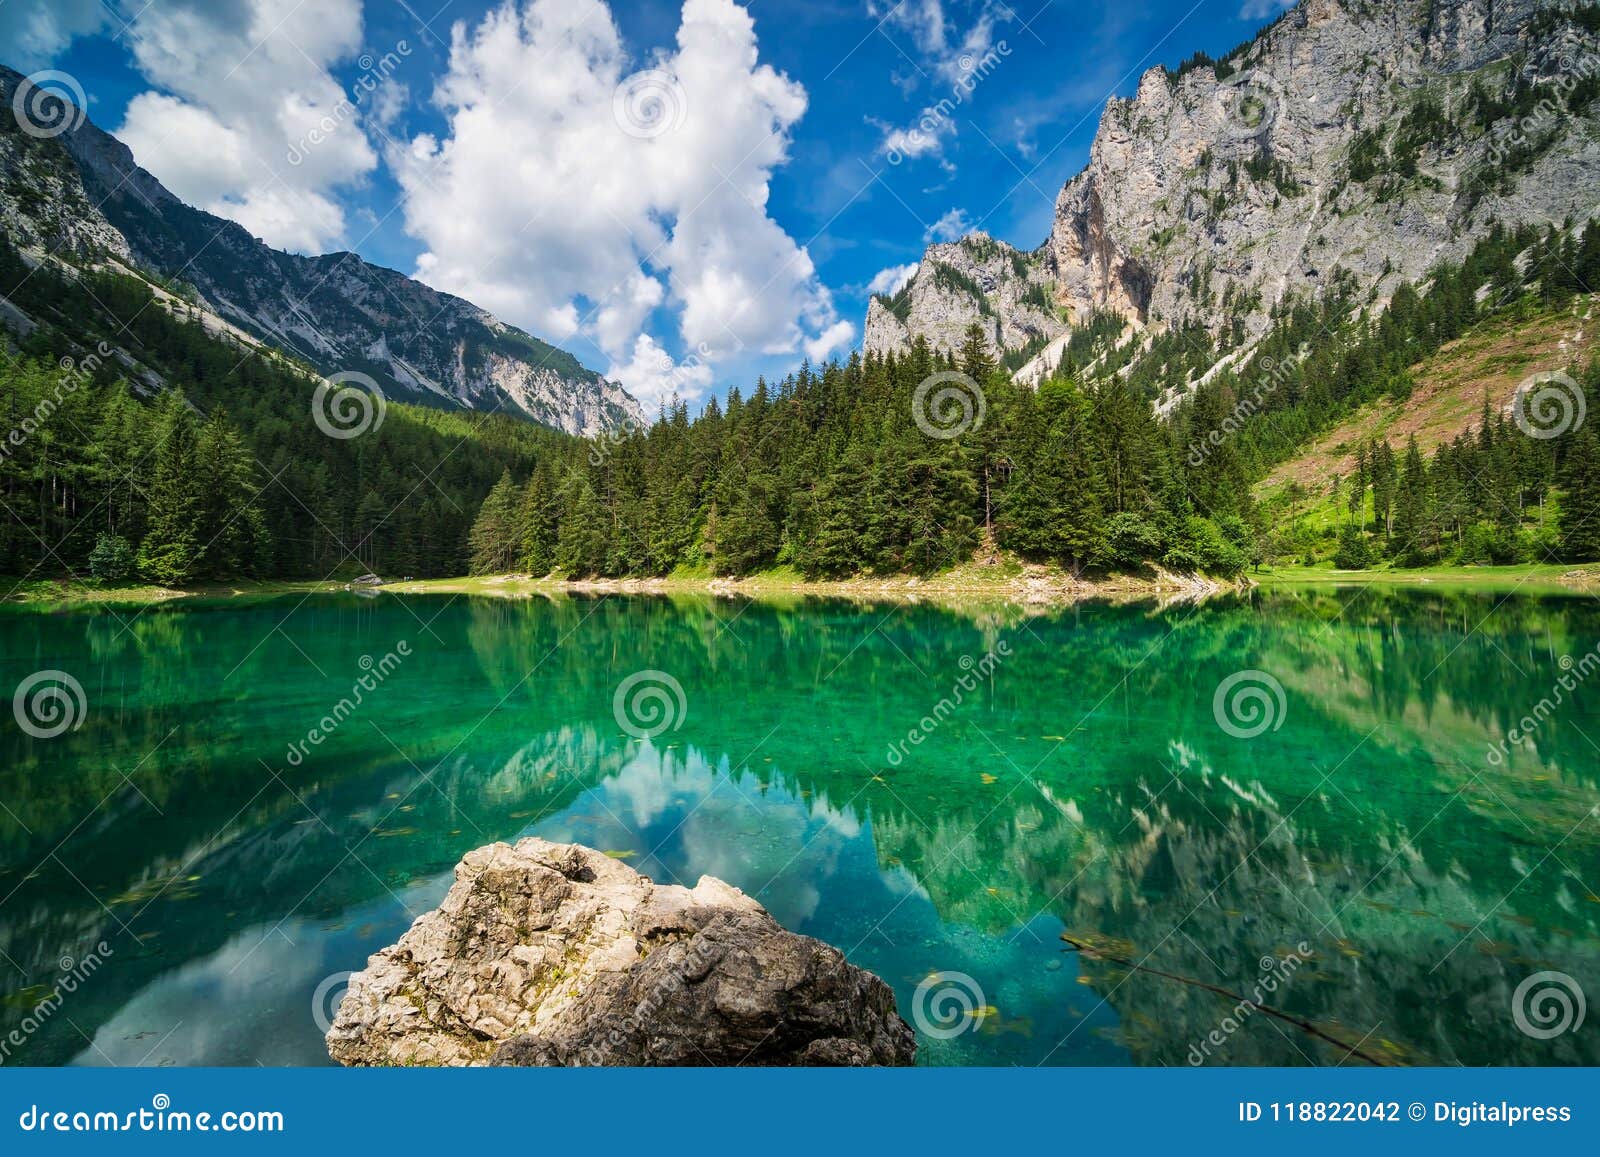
point(496, 536)
point(1353, 552)
point(1579, 520)
point(1412, 537)
point(1384, 480)
point(231, 527)
point(974, 357)
point(537, 519)
point(171, 551)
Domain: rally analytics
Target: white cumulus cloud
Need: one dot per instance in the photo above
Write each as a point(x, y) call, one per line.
point(957, 63)
point(238, 88)
point(651, 375)
point(938, 38)
point(34, 31)
point(1264, 9)
point(836, 337)
point(566, 205)
point(892, 280)
point(949, 227)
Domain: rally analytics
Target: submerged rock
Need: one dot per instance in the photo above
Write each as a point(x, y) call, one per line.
point(555, 954)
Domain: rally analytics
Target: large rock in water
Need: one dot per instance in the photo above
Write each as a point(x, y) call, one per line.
point(554, 954)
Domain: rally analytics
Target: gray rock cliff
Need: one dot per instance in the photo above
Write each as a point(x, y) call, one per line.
point(1368, 138)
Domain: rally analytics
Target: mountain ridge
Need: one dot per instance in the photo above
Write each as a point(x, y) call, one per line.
point(1373, 139)
point(81, 192)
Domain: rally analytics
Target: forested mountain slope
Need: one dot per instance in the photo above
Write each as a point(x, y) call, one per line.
point(80, 197)
point(917, 462)
point(140, 443)
point(1359, 139)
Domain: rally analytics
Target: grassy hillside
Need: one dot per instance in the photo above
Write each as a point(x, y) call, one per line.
point(1490, 361)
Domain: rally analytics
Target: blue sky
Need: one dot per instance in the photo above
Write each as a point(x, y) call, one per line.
point(723, 216)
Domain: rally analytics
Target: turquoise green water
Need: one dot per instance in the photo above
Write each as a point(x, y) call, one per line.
point(1078, 781)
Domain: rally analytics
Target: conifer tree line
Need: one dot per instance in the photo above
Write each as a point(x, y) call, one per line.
point(827, 472)
point(1351, 358)
point(830, 473)
point(214, 468)
point(1486, 497)
point(1481, 498)
point(200, 461)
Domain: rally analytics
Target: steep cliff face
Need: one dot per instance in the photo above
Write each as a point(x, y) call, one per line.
point(975, 279)
point(1368, 137)
point(80, 196)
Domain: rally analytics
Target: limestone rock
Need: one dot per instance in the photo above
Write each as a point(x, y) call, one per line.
point(1347, 140)
point(555, 954)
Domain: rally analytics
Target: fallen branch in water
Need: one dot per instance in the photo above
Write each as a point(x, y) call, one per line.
point(1303, 1025)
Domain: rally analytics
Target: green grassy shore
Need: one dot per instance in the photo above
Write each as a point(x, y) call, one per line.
point(1004, 580)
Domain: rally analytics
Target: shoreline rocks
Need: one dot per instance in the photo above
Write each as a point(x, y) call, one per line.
point(555, 954)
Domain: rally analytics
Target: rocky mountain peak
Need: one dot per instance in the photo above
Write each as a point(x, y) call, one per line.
point(1361, 138)
point(79, 196)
